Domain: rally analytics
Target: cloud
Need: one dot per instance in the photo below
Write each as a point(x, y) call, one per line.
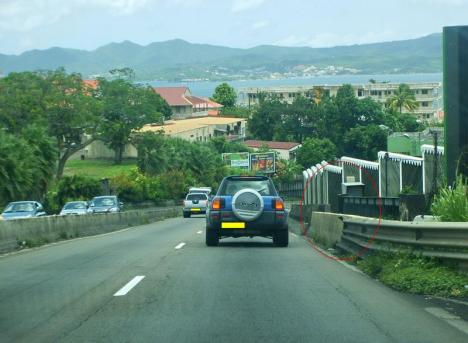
point(329, 39)
point(442, 2)
point(260, 24)
point(244, 5)
point(26, 15)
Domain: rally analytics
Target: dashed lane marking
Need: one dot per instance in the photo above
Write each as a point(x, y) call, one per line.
point(128, 287)
point(179, 246)
point(199, 232)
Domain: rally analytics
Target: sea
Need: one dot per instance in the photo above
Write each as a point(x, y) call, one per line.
point(206, 88)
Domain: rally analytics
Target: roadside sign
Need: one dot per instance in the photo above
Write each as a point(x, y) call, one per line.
point(263, 162)
point(237, 159)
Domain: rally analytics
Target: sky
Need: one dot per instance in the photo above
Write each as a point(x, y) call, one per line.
point(89, 24)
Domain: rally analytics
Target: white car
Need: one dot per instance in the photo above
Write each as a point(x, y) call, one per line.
point(195, 203)
point(74, 208)
point(206, 190)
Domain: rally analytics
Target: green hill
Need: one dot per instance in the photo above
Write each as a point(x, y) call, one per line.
point(178, 59)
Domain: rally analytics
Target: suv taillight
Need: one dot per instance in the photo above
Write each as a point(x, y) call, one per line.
point(278, 205)
point(217, 204)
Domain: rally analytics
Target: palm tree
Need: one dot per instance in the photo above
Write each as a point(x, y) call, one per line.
point(403, 97)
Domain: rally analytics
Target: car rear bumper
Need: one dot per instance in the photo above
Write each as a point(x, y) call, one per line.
point(266, 225)
point(193, 210)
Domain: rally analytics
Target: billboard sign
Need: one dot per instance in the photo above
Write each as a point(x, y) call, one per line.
point(237, 159)
point(263, 162)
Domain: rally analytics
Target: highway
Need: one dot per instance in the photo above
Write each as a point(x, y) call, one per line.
point(160, 283)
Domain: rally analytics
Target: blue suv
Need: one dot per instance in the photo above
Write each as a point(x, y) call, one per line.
point(247, 206)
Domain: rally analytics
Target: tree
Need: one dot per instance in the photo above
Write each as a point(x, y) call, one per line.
point(403, 98)
point(348, 106)
point(125, 108)
point(225, 95)
point(55, 100)
point(266, 118)
point(365, 142)
point(299, 120)
point(44, 149)
point(316, 150)
point(152, 157)
point(221, 145)
point(27, 164)
point(21, 101)
point(72, 114)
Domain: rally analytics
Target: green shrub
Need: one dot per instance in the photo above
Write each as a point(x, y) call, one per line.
point(175, 184)
point(451, 204)
point(415, 274)
point(71, 188)
point(136, 187)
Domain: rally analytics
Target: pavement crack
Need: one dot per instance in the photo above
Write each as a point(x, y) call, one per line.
point(364, 314)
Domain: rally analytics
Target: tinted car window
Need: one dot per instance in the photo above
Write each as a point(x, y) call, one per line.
point(104, 202)
point(196, 197)
point(232, 186)
point(75, 206)
point(20, 207)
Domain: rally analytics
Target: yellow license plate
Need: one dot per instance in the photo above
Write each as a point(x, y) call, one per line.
point(232, 225)
point(195, 209)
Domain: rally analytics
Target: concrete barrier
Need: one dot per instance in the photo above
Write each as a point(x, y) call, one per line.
point(37, 231)
point(326, 228)
point(307, 211)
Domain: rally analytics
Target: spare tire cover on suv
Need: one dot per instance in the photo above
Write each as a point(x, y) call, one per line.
point(247, 204)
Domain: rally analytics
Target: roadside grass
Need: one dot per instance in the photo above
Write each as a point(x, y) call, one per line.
point(411, 273)
point(98, 168)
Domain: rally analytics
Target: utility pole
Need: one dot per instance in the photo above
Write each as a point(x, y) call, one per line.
point(434, 176)
point(386, 174)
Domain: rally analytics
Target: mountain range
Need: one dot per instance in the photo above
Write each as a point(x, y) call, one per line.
point(181, 60)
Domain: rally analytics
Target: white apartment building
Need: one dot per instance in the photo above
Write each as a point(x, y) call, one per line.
point(428, 95)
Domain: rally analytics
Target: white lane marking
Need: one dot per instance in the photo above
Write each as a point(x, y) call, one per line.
point(127, 288)
point(180, 245)
point(292, 233)
point(199, 232)
point(343, 263)
point(451, 319)
point(452, 300)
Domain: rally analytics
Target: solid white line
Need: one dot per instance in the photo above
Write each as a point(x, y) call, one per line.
point(180, 245)
point(451, 319)
point(132, 283)
point(199, 232)
point(292, 233)
point(343, 263)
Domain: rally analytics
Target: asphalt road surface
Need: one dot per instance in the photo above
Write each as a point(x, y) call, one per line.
point(160, 283)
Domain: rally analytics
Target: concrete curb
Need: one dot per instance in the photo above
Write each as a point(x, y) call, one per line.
point(38, 231)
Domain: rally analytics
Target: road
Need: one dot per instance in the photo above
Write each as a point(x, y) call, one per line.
point(145, 285)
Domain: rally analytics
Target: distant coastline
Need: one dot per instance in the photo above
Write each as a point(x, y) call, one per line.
point(206, 88)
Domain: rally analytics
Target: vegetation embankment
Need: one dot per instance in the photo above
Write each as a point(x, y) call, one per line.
point(415, 274)
point(409, 271)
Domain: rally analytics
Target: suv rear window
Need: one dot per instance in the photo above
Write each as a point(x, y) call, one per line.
point(232, 186)
point(196, 197)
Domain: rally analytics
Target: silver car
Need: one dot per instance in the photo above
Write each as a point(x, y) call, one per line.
point(23, 209)
point(74, 208)
point(195, 203)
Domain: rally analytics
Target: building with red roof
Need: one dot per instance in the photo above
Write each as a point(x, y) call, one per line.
point(286, 150)
point(185, 105)
point(91, 83)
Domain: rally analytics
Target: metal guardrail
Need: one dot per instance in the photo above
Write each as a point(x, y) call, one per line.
point(447, 241)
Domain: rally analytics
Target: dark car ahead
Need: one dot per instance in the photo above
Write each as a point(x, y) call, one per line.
point(247, 206)
point(105, 204)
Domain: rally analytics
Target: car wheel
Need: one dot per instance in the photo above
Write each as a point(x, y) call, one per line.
point(281, 238)
point(186, 214)
point(212, 238)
